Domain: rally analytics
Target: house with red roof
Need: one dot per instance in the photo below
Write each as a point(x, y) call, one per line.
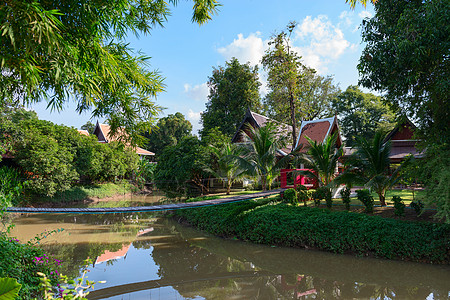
point(403, 142)
point(102, 131)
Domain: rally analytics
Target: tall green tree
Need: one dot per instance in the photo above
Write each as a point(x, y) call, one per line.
point(181, 166)
point(232, 90)
point(362, 114)
point(51, 50)
point(169, 132)
point(407, 58)
point(313, 99)
point(224, 165)
point(283, 66)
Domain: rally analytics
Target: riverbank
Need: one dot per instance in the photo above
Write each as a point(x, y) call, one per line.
point(274, 223)
point(90, 195)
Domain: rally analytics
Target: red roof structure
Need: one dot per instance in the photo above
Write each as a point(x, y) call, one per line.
point(403, 142)
point(83, 132)
point(102, 131)
point(318, 130)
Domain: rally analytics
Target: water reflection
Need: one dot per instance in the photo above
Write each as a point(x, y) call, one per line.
point(145, 256)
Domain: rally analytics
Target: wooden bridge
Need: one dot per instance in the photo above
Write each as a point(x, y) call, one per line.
point(108, 210)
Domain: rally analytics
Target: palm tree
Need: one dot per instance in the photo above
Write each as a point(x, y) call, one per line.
point(259, 156)
point(226, 168)
point(322, 158)
point(370, 165)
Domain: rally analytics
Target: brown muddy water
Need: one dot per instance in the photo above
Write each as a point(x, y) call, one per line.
point(147, 256)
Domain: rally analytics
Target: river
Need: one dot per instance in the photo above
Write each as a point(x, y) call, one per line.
point(148, 256)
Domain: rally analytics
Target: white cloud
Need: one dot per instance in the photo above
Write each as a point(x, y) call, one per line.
point(198, 92)
point(365, 14)
point(322, 42)
point(346, 18)
point(249, 49)
point(194, 118)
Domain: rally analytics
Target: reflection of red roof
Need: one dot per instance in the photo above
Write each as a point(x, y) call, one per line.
point(108, 255)
point(318, 130)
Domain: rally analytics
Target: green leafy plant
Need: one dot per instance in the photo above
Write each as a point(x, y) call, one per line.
point(9, 288)
point(417, 206)
point(366, 198)
point(68, 288)
point(290, 196)
point(399, 206)
point(345, 194)
point(302, 194)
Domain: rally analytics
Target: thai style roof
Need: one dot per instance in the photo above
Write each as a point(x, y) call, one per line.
point(318, 130)
point(257, 121)
point(403, 142)
point(103, 133)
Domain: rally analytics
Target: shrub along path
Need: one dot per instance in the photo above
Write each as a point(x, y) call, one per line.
point(276, 223)
point(164, 207)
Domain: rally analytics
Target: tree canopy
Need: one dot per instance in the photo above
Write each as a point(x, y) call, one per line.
point(53, 51)
point(169, 132)
point(407, 58)
point(362, 114)
point(232, 89)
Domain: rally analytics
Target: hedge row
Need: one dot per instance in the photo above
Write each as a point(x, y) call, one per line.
point(340, 232)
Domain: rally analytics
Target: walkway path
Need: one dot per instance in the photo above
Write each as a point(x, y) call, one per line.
point(105, 210)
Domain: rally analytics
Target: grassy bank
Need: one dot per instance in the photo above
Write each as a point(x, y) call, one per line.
point(276, 223)
point(83, 192)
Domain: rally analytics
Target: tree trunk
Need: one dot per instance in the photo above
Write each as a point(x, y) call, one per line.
point(263, 183)
point(228, 187)
point(291, 103)
point(382, 197)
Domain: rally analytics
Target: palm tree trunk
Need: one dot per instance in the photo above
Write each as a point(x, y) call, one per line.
point(382, 197)
point(228, 186)
point(263, 182)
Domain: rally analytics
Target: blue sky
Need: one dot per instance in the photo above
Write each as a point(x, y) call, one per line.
point(327, 37)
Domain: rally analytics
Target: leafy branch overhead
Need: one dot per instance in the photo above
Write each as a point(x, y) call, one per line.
point(56, 51)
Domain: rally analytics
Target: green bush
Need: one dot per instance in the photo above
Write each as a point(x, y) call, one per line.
point(399, 206)
point(11, 186)
point(22, 262)
point(290, 196)
point(335, 231)
point(320, 194)
point(345, 194)
point(302, 194)
point(366, 198)
point(417, 206)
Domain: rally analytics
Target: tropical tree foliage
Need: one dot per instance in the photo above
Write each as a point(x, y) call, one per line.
point(53, 157)
point(362, 114)
point(369, 165)
point(407, 58)
point(232, 90)
point(224, 165)
point(169, 131)
point(259, 157)
point(51, 50)
point(181, 166)
point(313, 100)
